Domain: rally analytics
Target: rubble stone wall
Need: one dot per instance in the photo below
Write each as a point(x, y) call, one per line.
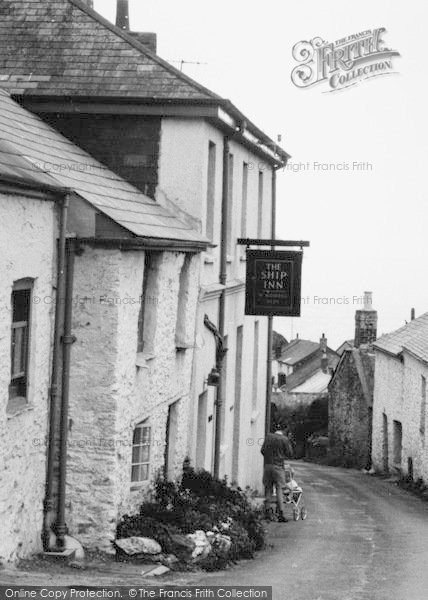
point(398, 396)
point(113, 388)
point(349, 416)
point(28, 230)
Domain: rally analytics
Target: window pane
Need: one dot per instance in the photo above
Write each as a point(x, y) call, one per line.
point(137, 435)
point(135, 473)
point(145, 453)
point(21, 305)
point(144, 472)
point(146, 435)
point(136, 454)
point(19, 350)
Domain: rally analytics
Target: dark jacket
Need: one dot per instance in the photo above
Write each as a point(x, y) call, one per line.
point(276, 448)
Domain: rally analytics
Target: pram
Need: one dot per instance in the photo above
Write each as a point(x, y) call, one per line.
point(293, 494)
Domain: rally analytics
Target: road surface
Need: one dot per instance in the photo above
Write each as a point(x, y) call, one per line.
point(364, 539)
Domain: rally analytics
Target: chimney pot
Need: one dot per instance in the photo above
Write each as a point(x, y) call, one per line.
point(368, 301)
point(412, 314)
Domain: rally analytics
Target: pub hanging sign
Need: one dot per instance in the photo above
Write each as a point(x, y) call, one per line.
point(273, 283)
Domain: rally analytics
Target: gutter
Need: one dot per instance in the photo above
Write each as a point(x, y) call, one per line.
point(137, 243)
point(54, 393)
point(59, 390)
point(67, 340)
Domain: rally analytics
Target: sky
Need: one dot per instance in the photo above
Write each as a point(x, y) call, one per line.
point(367, 226)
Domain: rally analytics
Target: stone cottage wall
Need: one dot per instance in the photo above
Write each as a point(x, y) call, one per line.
point(398, 396)
point(349, 416)
point(387, 400)
point(113, 388)
point(28, 229)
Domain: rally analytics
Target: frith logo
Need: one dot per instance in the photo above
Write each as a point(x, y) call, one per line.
point(343, 63)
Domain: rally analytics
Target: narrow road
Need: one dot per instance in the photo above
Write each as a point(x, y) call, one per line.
point(364, 539)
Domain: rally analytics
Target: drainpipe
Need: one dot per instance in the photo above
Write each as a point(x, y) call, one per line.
point(220, 391)
point(67, 340)
point(54, 388)
point(270, 317)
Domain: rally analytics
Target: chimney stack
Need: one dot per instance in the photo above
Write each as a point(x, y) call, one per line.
point(122, 14)
point(365, 323)
point(324, 357)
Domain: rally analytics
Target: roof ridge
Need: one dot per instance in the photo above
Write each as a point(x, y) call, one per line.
point(409, 325)
point(143, 49)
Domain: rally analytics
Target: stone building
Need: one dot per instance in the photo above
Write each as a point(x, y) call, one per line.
point(190, 150)
point(400, 401)
point(351, 394)
point(29, 225)
point(302, 361)
point(134, 296)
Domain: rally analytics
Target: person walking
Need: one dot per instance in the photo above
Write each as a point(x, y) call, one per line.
point(276, 449)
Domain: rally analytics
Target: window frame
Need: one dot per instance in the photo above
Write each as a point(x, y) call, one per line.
point(19, 381)
point(141, 444)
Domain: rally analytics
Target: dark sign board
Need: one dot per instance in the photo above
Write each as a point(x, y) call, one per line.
point(273, 283)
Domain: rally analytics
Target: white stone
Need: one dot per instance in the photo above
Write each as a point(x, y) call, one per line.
point(138, 545)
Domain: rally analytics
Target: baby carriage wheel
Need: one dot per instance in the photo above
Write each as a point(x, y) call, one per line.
point(303, 513)
point(296, 514)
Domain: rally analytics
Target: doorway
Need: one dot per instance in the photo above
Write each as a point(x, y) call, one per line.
point(201, 431)
point(171, 441)
point(385, 447)
point(398, 444)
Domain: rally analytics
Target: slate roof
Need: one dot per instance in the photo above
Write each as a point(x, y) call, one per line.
point(62, 47)
point(32, 150)
point(297, 350)
point(412, 337)
point(317, 383)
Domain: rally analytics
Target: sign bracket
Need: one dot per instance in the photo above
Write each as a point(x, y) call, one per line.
point(284, 243)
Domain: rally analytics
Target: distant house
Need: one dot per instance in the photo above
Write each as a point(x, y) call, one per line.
point(351, 394)
point(304, 371)
point(400, 401)
point(300, 359)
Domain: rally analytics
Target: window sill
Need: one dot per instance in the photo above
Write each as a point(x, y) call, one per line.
point(143, 358)
point(17, 406)
point(137, 486)
point(243, 258)
point(209, 259)
point(229, 259)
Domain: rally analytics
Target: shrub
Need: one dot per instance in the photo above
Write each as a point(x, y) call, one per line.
point(199, 501)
